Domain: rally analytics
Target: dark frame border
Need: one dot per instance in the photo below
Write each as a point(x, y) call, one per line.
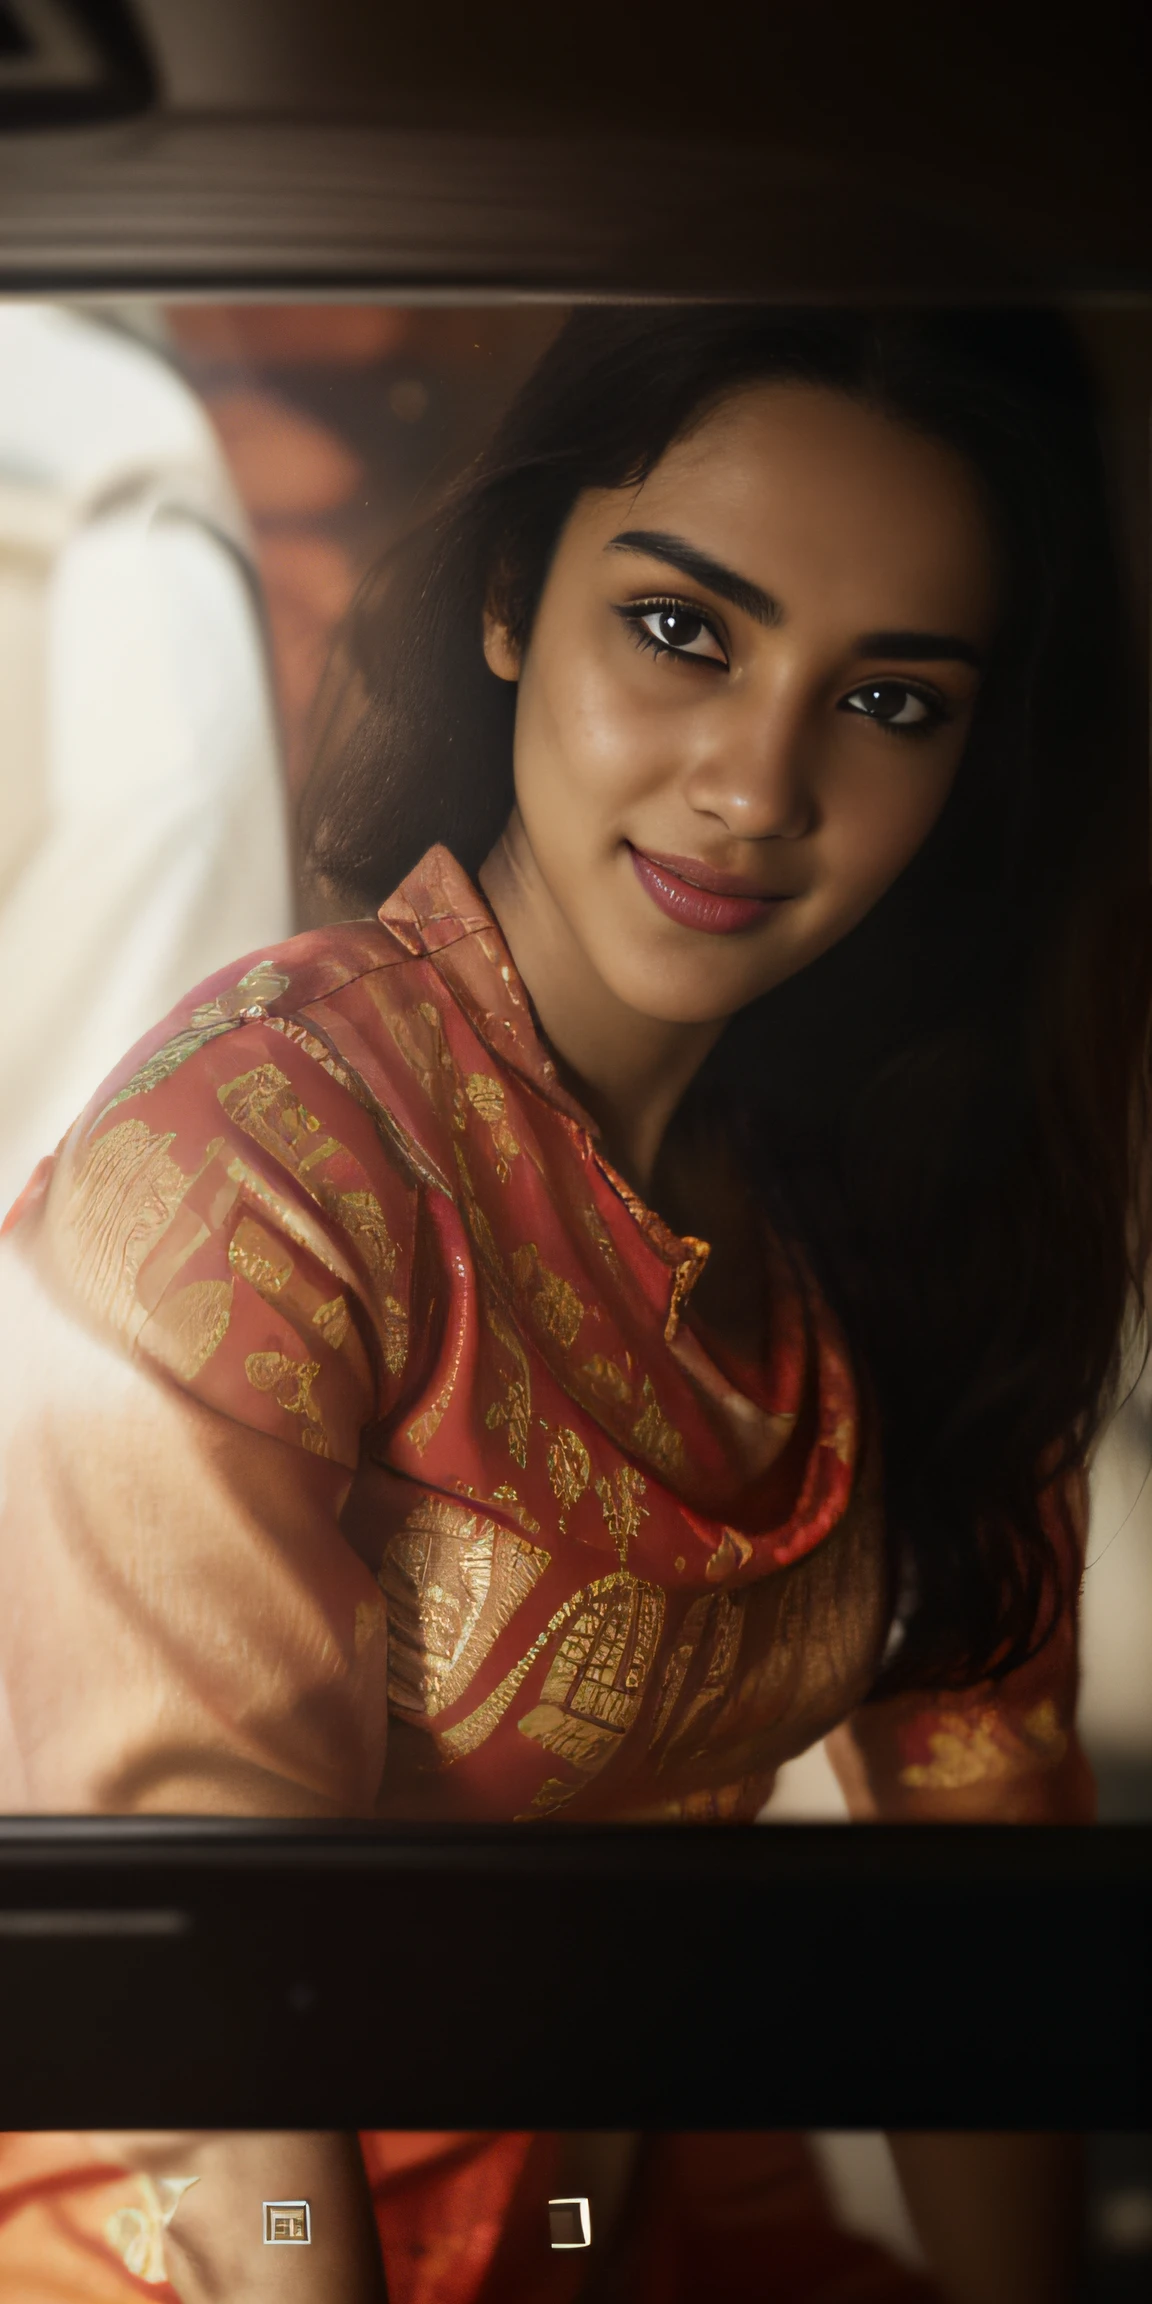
point(160, 1973)
point(123, 85)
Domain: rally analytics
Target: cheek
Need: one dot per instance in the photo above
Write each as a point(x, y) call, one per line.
point(874, 834)
point(588, 729)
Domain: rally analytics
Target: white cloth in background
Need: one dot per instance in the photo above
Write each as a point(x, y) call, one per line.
point(143, 841)
point(1116, 1608)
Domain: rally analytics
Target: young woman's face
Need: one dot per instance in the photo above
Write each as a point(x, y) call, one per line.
point(747, 692)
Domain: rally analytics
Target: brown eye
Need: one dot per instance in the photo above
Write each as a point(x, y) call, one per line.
point(676, 628)
point(895, 705)
point(672, 628)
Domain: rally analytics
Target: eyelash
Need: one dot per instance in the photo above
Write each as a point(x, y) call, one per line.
point(634, 612)
point(938, 712)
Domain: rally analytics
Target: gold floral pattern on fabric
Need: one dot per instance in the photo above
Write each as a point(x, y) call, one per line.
point(597, 1230)
point(467, 1735)
point(259, 1258)
point(978, 1746)
point(300, 1228)
point(506, 1494)
point(717, 1632)
point(656, 1438)
point(597, 1679)
point(552, 1301)
point(491, 1266)
point(189, 1230)
point(393, 1326)
point(607, 1380)
point(424, 1427)
point(810, 1647)
point(684, 1280)
point(415, 1160)
point(247, 1002)
point(290, 1384)
point(514, 1411)
point(554, 1793)
point(621, 1506)
point(136, 2234)
point(189, 1325)
point(360, 1215)
point(677, 1662)
point(486, 1096)
point(732, 1552)
point(333, 1321)
point(124, 1196)
point(569, 1468)
point(452, 1579)
point(420, 1038)
point(264, 1104)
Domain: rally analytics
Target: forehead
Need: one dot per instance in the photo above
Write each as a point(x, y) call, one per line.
point(808, 491)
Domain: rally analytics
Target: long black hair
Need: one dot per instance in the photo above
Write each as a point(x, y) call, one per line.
point(947, 1111)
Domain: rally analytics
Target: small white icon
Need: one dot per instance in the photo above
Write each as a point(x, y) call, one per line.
point(571, 2223)
point(287, 2224)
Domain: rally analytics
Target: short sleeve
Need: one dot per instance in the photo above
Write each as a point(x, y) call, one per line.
point(1003, 1751)
point(207, 1301)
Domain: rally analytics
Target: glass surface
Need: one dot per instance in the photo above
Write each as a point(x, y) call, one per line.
point(190, 495)
point(247, 465)
point(412, 2214)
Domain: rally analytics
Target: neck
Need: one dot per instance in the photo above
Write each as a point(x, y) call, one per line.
point(628, 1070)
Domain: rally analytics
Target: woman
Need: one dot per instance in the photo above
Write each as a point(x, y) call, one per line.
point(645, 1301)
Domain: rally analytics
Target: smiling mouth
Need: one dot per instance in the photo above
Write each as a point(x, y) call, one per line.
point(714, 903)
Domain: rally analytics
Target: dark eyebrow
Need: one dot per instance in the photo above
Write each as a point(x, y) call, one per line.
point(922, 647)
point(914, 647)
point(703, 569)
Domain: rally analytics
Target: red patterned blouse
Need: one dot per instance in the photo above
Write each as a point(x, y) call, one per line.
point(363, 1456)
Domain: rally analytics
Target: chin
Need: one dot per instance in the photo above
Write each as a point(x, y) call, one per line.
point(682, 1004)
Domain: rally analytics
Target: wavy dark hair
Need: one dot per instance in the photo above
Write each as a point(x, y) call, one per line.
point(947, 1111)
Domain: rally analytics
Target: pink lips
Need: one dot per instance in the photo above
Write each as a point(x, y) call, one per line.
point(718, 903)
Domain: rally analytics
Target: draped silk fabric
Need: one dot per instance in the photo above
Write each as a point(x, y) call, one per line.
point(362, 1456)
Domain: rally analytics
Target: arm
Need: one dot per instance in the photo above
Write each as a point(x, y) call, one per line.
point(998, 2216)
point(1002, 1752)
point(211, 2242)
point(200, 1317)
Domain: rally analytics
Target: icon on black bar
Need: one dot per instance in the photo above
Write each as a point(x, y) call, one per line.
point(287, 2224)
point(571, 2223)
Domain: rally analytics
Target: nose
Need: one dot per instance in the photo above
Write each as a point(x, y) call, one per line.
point(753, 772)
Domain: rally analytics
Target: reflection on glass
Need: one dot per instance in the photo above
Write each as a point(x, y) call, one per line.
point(455, 2218)
point(646, 1303)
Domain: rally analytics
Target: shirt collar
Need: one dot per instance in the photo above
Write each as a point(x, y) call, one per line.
point(438, 913)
